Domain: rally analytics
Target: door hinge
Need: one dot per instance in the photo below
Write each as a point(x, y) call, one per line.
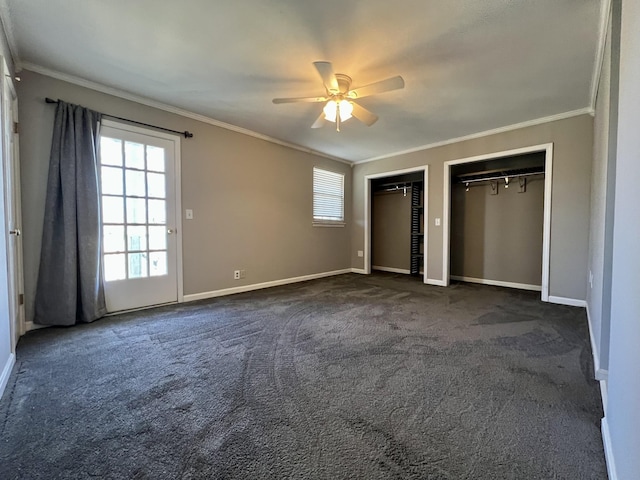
point(16, 129)
point(21, 299)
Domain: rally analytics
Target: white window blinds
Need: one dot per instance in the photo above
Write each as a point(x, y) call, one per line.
point(328, 196)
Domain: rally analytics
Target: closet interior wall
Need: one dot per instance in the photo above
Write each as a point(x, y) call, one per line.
point(496, 224)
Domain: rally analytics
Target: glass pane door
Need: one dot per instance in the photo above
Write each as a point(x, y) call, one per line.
point(138, 216)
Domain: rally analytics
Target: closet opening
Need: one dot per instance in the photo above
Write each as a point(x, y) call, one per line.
point(497, 219)
point(397, 224)
point(395, 233)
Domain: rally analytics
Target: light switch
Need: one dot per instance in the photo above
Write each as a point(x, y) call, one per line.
point(437, 222)
point(188, 214)
point(360, 253)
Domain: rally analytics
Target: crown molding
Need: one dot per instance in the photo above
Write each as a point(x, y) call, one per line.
point(211, 121)
point(605, 13)
point(81, 82)
point(486, 133)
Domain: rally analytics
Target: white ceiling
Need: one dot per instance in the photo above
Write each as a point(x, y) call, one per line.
point(469, 66)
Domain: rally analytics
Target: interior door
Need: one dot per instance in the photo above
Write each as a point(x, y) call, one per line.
point(138, 173)
point(13, 217)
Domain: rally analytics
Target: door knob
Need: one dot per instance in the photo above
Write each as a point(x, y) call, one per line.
point(170, 230)
point(15, 232)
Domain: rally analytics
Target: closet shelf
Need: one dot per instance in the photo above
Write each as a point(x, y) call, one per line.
point(417, 237)
point(497, 174)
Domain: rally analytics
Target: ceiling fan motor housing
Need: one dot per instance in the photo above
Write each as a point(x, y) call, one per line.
point(344, 84)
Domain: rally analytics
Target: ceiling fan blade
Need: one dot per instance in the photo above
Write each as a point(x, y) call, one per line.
point(364, 115)
point(300, 99)
point(319, 121)
point(325, 69)
point(393, 83)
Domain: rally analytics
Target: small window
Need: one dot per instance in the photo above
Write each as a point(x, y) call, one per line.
point(328, 197)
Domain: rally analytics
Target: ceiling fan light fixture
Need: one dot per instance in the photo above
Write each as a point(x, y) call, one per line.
point(332, 109)
point(345, 108)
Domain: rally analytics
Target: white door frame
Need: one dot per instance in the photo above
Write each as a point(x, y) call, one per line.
point(367, 212)
point(178, 187)
point(546, 228)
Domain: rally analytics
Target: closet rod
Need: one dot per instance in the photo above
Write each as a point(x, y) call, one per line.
point(186, 133)
point(395, 189)
point(395, 184)
point(500, 177)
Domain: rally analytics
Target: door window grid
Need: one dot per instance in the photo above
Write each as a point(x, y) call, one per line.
point(134, 209)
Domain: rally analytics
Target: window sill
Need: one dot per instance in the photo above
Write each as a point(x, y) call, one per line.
point(328, 224)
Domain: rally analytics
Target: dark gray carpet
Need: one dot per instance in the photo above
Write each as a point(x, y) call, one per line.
point(374, 377)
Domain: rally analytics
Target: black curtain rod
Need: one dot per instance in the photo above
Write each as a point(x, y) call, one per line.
point(186, 133)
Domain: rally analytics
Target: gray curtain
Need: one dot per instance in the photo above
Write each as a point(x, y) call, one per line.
point(70, 288)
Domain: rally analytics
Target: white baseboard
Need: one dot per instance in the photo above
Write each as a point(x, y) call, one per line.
point(6, 372)
point(434, 281)
point(361, 271)
point(600, 374)
point(604, 394)
point(608, 450)
point(497, 283)
point(594, 347)
point(258, 286)
point(572, 302)
point(391, 269)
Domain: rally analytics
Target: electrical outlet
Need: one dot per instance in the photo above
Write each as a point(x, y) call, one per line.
point(360, 253)
point(236, 274)
point(437, 222)
point(243, 273)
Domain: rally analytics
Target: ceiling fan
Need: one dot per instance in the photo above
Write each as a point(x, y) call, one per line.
point(340, 99)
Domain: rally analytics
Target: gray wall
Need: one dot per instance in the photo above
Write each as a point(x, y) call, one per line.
point(602, 200)
point(498, 237)
point(391, 230)
point(252, 199)
point(622, 415)
point(573, 145)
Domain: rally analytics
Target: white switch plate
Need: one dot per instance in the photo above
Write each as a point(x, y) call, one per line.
point(360, 253)
point(188, 213)
point(437, 222)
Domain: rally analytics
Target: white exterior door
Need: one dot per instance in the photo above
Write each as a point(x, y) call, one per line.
point(139, 179)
